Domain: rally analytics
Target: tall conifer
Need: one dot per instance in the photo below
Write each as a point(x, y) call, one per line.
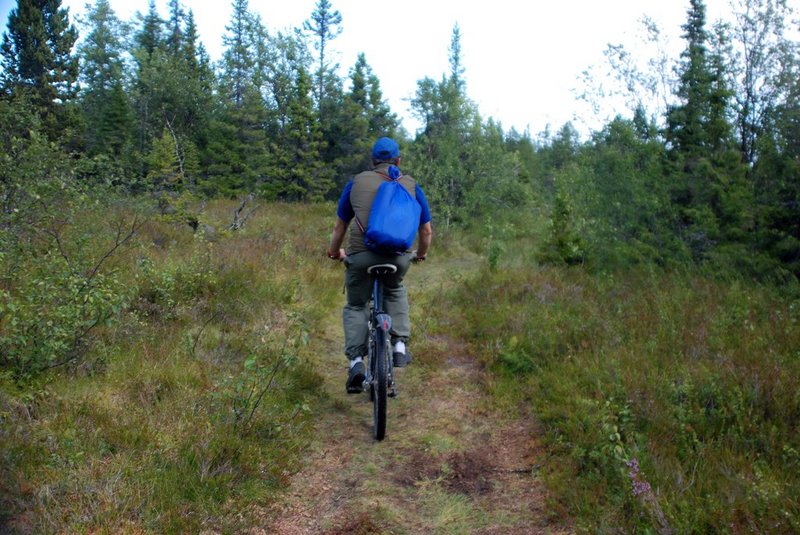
point(38, 61)
point(103, 100)
point(711, 191)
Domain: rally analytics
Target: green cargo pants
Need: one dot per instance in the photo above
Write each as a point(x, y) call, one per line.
point(355, 315)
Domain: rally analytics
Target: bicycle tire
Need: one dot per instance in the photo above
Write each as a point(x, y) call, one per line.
point(372, 366)
point(380, 384)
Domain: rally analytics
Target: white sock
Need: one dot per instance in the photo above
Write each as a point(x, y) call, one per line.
point(356, 360)
point(400, 346)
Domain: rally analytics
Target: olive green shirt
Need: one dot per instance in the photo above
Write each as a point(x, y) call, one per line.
point(365, 187)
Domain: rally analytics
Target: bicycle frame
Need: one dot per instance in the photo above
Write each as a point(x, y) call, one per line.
point(379, 320)
point(379, 374)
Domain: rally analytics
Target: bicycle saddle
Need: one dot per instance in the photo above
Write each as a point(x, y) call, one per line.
point(382, 269)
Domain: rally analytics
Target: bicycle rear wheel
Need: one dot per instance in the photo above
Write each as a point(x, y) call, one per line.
point(380, 384)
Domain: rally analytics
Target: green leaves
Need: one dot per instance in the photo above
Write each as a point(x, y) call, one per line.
point(48, 318)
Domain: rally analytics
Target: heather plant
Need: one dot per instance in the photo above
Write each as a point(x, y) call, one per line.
point(668, 399)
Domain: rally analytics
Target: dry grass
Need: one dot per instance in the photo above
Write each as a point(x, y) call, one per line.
point(150, 439)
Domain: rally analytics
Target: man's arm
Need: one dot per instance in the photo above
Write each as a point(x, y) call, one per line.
point(425, 230)
point(425, 237)
point(335, 250)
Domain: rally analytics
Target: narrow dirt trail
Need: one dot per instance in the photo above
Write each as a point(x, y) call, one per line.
point(450, 463)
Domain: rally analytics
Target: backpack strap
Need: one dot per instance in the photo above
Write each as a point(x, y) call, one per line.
point(360, 225)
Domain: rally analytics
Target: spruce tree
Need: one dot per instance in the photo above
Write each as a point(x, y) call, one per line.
point(711, 192)
point(199, 84)
point(359, 118)
point(148, 41)
point(236, 152)
point(237, 60)
point(359, 74)
point(357, 135)
point(151, 35)
point(324, 25)
point(38, 62)
point(103, 100)
point(173, 82)
point(174, 27)
point(298, 172)
point(440, 150)
point(776, 176)
point(381, 118)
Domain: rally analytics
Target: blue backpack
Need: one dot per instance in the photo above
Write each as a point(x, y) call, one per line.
point(393, 219)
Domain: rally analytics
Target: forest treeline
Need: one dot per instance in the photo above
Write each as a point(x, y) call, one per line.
point(712, 175)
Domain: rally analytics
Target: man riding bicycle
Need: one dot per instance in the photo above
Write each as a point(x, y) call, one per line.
point(355, 203)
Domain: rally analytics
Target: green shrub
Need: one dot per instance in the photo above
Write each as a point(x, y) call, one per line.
point(48, 319)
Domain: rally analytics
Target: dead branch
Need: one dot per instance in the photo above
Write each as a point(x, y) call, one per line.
point(119, 241)
point(238, 220)
point(214, 316)
point(178, 155)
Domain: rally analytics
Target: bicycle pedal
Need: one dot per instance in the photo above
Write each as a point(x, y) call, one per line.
point(392, 393)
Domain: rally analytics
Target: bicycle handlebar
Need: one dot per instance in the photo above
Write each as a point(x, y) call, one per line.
point(342, 256)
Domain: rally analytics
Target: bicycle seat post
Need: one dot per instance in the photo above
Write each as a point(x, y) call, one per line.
point(378, 271)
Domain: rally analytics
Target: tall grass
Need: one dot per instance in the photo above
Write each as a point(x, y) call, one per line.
point(196, 402)
point(670, 400)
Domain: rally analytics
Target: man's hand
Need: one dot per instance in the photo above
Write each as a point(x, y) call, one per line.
point(336, 254)
point(424, 243)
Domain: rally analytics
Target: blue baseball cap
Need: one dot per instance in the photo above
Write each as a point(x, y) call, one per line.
point(385, 149)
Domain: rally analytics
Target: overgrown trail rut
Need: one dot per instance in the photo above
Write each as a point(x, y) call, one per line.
point(450, 463)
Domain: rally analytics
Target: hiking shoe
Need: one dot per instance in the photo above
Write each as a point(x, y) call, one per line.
point(355, 378)
point(401, 359)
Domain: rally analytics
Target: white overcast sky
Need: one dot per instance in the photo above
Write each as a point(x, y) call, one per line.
point(522, 57)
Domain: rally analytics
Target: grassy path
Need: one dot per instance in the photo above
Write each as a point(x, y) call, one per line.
point(451, 462)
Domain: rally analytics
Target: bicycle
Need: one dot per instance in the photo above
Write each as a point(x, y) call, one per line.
point(379, 380)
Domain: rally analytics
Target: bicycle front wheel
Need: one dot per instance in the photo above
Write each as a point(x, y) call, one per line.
point(380, 384)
